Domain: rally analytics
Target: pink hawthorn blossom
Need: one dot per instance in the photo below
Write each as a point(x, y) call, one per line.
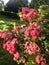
point(27, 14)
point(33, 30)
point(31, 48)
point(25, 10)
point(23, 60)
point(16, 56)
point(40, 60)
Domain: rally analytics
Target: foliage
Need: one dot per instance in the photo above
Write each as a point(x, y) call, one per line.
point(37, 3)
point(9, 14)
point(15, 5)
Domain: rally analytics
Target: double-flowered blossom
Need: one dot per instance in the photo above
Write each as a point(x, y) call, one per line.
point(33, 30)
point(10, 42)
point(40, 60)
point(16, 56)
point(25, 10)
point(5, 34)
point(31, 48)
point(33, 12)
point(23, 60)
point(10, 46)
point(14, 41)
point(28, 14)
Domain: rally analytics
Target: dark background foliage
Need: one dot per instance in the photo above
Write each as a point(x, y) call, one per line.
point(37, 3)
point(15, 5)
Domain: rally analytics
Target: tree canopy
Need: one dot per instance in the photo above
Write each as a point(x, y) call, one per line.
point(14, 5)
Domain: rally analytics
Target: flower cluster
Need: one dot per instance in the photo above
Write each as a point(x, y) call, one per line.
point(28, 14)
point(16, 56)
point(33, 30)
point(31, 48)
point(10, 47)
point(25, 10)
point(5, 34)
point(10, 41)
point(40, 60)
point(23, 38)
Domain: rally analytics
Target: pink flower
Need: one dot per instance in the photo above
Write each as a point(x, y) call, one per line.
point(29, 52)
point(29, 19)
point(9, 47)
point(43, 63)
point(25, 10)
point(33, 31)
point(28, 14)
point(26, 34)
point(23, 60)
point(34, 13)
point(24, 16)
point(40, 60)
point(14, 41)
point(37, 59)
point(6, 44)
point(31, 48)
point(16, 56)
point(5, 34)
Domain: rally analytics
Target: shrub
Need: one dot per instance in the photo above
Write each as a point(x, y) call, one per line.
point(28, 43)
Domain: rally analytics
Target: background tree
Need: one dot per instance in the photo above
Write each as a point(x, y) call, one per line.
point(14, 5)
